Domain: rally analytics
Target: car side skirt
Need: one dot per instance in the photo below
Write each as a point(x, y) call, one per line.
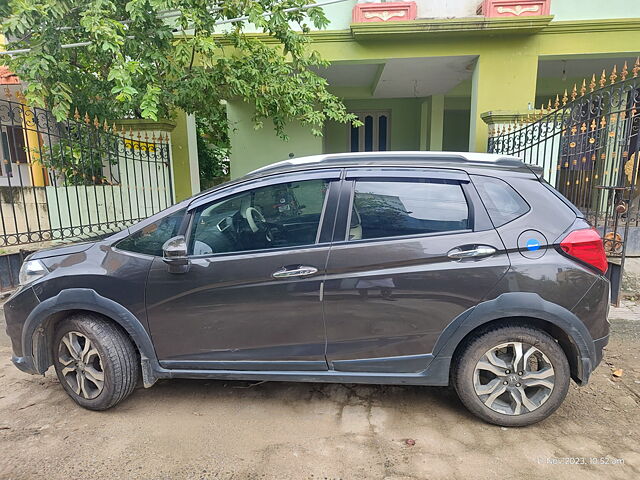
point(436, 374)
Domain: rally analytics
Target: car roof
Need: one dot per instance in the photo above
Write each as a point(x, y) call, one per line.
point(451, 160)
point(458, 160)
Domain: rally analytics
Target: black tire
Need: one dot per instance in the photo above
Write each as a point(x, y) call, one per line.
point(467, 360)
point(116, 361)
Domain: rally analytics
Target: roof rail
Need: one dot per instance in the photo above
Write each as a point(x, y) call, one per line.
point(445, 157)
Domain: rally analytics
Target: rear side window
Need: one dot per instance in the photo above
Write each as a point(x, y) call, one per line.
point(502, 202)
point(399, 208)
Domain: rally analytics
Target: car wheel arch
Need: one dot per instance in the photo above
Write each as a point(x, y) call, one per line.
point(38, 328)
point(525, 309)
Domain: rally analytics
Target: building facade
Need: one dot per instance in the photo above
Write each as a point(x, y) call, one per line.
point(434, 75)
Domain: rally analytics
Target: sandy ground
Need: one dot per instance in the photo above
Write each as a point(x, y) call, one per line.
point(232, 430)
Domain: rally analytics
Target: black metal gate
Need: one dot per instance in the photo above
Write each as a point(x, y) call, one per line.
point(75, 179)
point(587, 143)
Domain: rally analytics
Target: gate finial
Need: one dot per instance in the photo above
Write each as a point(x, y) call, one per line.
point(574, 92)
point(583, 89)
point(636, 68)
point(625, 71)
point(603, 78)
point(556, 105)
point(592, 83)
point(614, 75)
point(565, 98)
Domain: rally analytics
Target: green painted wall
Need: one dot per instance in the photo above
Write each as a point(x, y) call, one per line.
point(456, 128)
point(436, 123)
point(180, 158)
point(339, 15)
point(251, 148)
point(594, 9)
point(405, 124)
point(504, 79)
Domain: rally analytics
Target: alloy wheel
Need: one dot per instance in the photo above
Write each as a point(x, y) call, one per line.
point(81, 365)
point(513, 378)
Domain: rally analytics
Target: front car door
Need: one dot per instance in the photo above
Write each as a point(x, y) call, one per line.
point(399, 269)
point(250, 299)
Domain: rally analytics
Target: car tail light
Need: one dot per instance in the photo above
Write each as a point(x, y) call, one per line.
point(586, 246)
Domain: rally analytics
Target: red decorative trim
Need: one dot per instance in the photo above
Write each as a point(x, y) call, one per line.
point(7, 77)
point(384, 12)
point(514, 8)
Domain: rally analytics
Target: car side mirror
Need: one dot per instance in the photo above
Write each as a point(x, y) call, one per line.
point(174, 254)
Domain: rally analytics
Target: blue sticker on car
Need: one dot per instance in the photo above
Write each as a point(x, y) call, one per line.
point(533, 244)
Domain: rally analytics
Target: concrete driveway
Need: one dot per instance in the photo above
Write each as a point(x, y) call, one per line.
point(232, 430)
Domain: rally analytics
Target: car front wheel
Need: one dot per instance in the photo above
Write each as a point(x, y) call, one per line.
point(512, 376)
point(95, 361)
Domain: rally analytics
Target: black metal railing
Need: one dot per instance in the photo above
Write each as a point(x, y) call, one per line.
point(587, 145)
point(75, 179)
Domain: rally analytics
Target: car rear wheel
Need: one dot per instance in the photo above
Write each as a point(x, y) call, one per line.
point(512, 376)
point(95, 361)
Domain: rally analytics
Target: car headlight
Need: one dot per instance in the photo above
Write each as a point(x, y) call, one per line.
point(31, 271)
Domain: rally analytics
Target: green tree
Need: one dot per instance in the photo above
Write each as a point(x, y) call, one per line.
point(147, 58)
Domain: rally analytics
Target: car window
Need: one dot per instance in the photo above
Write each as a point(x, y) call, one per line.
point(399, 208)
point(502, 202)
point(276, 216)
point(149, 239)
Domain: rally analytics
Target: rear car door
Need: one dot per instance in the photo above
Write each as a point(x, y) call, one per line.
point(413, 248)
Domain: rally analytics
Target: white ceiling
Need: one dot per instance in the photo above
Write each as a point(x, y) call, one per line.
point(404, 77)
point(421, 77)
point(349, 75)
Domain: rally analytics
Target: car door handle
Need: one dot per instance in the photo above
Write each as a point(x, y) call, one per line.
point(478, 252)
point(301, 271)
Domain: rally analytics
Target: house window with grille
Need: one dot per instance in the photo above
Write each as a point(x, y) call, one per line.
point(373, 135)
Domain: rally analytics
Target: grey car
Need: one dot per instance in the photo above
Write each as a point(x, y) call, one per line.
point(405, 268)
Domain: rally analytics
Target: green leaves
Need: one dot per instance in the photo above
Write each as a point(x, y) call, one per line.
point(149, 103)
point(148, 58)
